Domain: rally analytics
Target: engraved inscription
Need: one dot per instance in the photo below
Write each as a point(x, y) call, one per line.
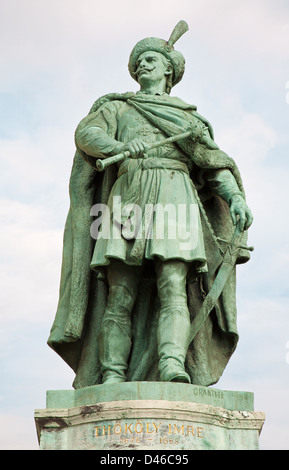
point(137, 431)
point(208, 392)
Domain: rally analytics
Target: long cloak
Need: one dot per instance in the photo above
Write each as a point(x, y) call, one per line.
point(83, 294)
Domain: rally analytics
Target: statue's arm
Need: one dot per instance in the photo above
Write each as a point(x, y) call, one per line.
point(94, 141)
point(223, 184)
point(95, 135)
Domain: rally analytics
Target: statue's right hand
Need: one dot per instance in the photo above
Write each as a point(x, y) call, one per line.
point(136, 148)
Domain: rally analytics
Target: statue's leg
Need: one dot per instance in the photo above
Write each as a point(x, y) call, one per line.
point(174, 320)
point(115, 332)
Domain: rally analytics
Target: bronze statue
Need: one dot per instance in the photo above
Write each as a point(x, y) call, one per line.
point(129, 288)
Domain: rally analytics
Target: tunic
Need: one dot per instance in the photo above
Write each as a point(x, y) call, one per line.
point(152, 209)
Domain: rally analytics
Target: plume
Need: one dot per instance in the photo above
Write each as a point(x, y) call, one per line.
point(180, 29)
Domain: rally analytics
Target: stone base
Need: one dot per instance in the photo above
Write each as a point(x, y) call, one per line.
point(149, 416)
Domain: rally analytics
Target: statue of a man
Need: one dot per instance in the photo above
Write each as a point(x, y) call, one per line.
point(127, 300)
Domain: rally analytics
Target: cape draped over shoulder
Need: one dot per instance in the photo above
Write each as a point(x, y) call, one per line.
point(82, 295)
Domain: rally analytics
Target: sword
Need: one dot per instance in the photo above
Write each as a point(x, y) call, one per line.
point(102, 164)
point(224, 272)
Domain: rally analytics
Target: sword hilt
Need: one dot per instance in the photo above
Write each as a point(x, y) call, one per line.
point(243, 247)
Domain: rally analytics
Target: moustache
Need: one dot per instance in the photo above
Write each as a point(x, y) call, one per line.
point(143, 69)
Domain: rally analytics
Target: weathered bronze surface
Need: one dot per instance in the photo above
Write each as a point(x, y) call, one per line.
point(135, 276)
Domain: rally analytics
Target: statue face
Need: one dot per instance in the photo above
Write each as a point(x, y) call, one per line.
point(151, 66)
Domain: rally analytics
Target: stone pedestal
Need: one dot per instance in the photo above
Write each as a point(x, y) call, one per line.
point(150, 416)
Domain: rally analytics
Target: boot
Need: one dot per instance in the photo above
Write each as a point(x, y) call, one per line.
point(173, 334)
point(115, 335)
point(114, 350)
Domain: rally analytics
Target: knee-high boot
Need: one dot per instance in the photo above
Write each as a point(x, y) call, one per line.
point(173, 334)
point(115, 335)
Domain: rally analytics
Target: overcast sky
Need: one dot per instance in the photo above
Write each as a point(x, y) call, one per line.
point(57, 57)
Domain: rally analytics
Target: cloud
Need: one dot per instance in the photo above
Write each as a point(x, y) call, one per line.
point(17, 432)
point(30, 253)
point(255, 28)
point(57, 57)
point(249, 140)
point(48, 36)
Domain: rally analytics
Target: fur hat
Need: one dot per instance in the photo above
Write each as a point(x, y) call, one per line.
point(163, 47)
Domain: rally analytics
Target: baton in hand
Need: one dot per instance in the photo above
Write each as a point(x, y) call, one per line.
point(102, 164)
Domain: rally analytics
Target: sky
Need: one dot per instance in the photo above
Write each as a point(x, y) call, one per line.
point(57, 57)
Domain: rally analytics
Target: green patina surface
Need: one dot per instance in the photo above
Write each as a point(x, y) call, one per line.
point(128, 296)
point(149, 415)
point(230, 400)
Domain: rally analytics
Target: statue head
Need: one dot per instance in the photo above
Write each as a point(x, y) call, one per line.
point(173, 60)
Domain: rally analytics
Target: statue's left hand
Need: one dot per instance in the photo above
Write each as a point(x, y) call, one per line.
point(240, 211)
